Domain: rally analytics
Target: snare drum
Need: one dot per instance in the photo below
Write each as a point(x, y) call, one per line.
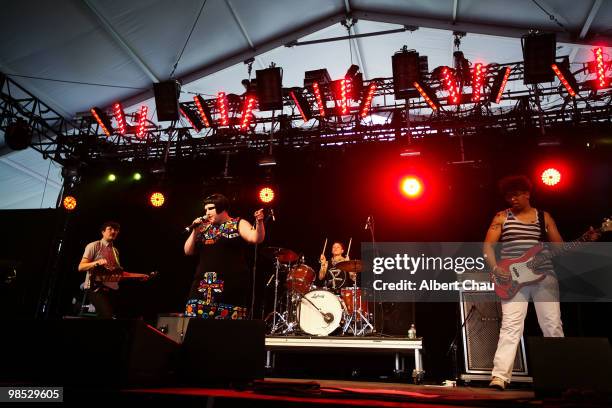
point(347, 297)
point(319, 312)
point(300, 278)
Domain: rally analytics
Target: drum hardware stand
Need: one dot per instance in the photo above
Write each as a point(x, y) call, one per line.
point(365, 323)
point(275, 313)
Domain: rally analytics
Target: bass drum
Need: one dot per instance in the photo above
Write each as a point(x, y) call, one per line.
point(319, 312)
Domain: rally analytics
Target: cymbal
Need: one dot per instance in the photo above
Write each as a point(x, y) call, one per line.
point(283, 255)
point(354, 265)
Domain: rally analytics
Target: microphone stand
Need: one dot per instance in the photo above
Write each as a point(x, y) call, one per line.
point(370, 225)
point(251, 311)
point(453, 345)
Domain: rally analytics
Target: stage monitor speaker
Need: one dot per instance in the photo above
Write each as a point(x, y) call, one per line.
point(223, 351)
point(269, 89)
point(580, 364)
point(85, 353)
point(166, 100)
point(539, 51)
point(173, 325)
point(481, 319)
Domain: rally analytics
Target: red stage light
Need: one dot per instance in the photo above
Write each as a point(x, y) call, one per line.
point(223, 108)
point(157, 199)
point(500, 83)
point(601, 82)
point(120, 118)
point(551, 177)
point(412, 187)
point(102, 120)
point(302, 104)
point(142, 122)
point(247, 112)
point(480, 72)
point(203, 110)
point(427, 94)
point(366, 102)
point(319, 98)
point(266, 195)
point(451, 86)
point(69, 203)
point(565, 79)
point(345, 91)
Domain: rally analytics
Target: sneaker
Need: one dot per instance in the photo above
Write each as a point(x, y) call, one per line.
point(497, 383)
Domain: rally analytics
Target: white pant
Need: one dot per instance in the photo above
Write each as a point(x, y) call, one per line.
point(545, 295)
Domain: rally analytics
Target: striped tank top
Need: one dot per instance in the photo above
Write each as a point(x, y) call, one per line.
point(517, 237)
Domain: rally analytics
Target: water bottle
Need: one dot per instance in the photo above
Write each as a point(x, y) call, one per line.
point(412, 332)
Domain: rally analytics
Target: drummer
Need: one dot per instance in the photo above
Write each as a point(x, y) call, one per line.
point(334, 278)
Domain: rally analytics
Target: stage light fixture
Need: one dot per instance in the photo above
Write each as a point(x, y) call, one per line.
point(203, 110)
point(450, 83)
point(428, 94)
point(222, 108)
point(120, 118)
point(412, 187)
point(366, 100)
point(137, 176)
point(111, 177)
point(602, 81)
point(157, 199)
point(301, 103)
point(478, 75)
point(566, 77)
point(18, 135)
point(539, 50)
point(319, 98)
point(266, 195)
point(499, 84)
point(69, 203)
point(344, 91)
point(102, 119)
point(247, 112)
point(192, 117)
point(142, 122)
point(551, 177)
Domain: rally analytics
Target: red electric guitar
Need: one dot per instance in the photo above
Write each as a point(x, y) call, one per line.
point(104, 274)
point(523, 270)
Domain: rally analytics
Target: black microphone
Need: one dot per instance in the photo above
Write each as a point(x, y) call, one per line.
point(272, 214)
point(367, 225)
point(193, 225)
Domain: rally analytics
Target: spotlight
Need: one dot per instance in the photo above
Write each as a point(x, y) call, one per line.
point(601, 81)
point(157, 199)
point(222, 108)
point(499, 84)
point(412, 187)
point(137, 176)
point(366, 100)
point(428, 94)
point(69, 203)
point(247, 112)
point(203, 110)
point(551, 177)
point(102, 119)
point(478, 76)
point(450, 83)
point(301, 103)
point(191, 116)
point(142, 122)
point(344, 90)
point(120, 118)
point(319, 98)
point(566, 77)
point(266, 195)
point(111, 177)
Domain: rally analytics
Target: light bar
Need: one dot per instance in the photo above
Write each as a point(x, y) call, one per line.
point(319, 98)
point(191, 116)
point(102, 119)
point(142, 122)
point(203, 110)
point(222, 108)
point(600, 68)
point(427, 94)
point(302, 104)
point(366, 101)
point(480, 72)
point(451, 86)
point(566, 78)
point(120, 118)
point(247, 112)
point(345, 85)
point(499, 84)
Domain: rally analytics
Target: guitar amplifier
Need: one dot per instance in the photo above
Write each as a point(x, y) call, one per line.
point(481, 319)
point(173, 325)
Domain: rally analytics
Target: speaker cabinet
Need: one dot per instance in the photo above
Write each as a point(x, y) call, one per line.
point(166, 100)
point(481, 319)
point(173, 325)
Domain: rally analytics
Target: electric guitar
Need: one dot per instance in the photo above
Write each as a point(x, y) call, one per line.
point(104, 274)
point(523, 270)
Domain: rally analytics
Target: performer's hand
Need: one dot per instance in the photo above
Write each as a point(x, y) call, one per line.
point(592, 234)
point(353, 276)
point(259, 215)
point(198, 221)
point(500, 273)
point(323, 260)
point(101, 262)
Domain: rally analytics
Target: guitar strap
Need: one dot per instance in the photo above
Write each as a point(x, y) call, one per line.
point(542, 225)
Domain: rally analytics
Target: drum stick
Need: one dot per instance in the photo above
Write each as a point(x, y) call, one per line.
point(324, 246)
point(349, 247)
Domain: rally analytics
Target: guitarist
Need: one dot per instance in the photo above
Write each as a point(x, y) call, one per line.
point(519, 228)
point(103, 271)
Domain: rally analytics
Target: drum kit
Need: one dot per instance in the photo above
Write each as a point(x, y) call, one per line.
point(307, 309)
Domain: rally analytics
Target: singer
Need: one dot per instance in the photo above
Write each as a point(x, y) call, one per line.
point(220, 240)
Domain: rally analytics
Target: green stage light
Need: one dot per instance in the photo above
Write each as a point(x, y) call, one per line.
point(111, 177)
point(137, 176)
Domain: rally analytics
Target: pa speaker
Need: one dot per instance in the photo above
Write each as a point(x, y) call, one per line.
point(539, 51)
point(269, 89)
point(85, 353)
point(406, 71)
point(18, 135)
point(481, 319)
point(223, 351)
point(166, 100)
point(563, 364)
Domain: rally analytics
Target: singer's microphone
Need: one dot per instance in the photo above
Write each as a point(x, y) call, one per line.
point(272, 215)
point(367, 225)
point(193, 225)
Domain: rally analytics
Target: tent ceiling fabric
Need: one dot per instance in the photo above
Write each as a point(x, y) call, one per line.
point(128, 45)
